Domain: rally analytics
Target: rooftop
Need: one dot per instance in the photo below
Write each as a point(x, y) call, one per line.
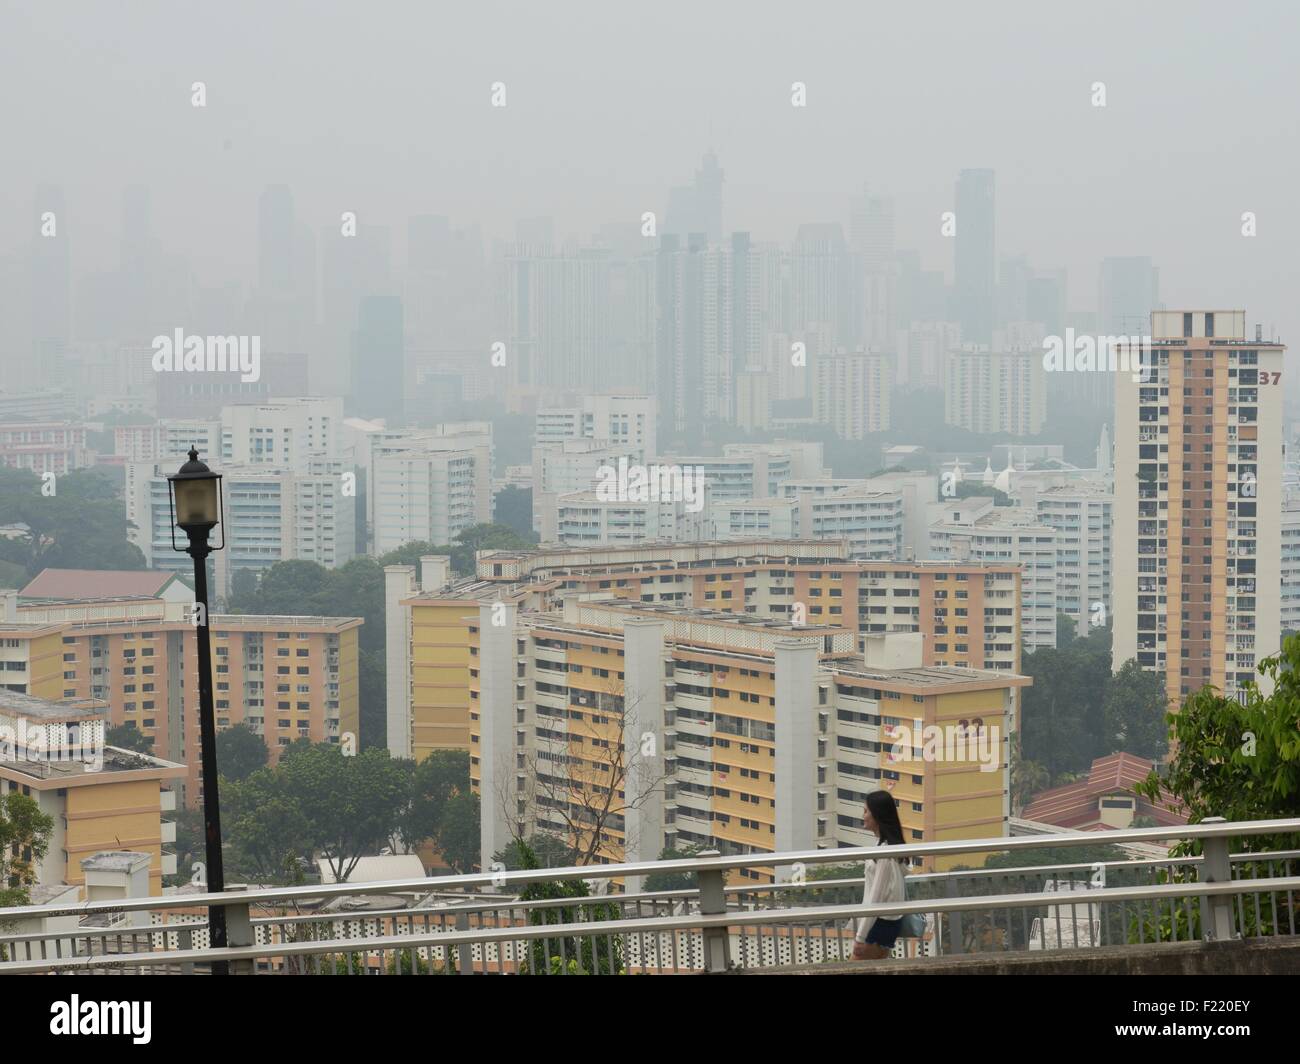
point(43, 709)
point(1075, 804)
point(693, 613)
point(97, 584)
point(115, 861)
point(934, 679)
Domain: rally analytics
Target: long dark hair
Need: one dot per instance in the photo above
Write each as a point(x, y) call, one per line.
point(884, 810)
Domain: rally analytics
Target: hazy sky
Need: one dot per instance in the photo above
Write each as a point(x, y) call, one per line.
point(383, 108)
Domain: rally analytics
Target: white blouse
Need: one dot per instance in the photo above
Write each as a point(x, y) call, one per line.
point(884, 884)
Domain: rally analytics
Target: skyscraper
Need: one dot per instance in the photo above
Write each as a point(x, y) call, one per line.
point(679, 352)
point(1128, 291)
point(559, 312)
point(1198, 504)
point(697, 208)
point(974, 255)
point(378, 360)
point(353, 268)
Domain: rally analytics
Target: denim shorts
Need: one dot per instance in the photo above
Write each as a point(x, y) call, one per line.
point(884, 933)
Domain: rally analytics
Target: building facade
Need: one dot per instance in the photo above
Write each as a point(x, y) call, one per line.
point(1198, 504)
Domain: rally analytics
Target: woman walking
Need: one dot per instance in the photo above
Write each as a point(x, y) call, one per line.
point(884, 879)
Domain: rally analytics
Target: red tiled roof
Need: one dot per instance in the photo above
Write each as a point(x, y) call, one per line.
point(1074, 805)
point(96, 584)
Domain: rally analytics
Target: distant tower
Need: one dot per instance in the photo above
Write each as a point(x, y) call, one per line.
point(1103, 451)
point(974, 262)
point(697, 208)
point(708, 197)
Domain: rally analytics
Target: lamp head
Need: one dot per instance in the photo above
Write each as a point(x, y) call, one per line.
point(196, 497)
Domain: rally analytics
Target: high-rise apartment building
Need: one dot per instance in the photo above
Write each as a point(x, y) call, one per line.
point(1290, 564)
point(428, 496)
point(1081, 515)
point(379, 359)
point(43, 447)
point(588, 519)
point(271, 515)
point(630, 727)
point(288, 434)
point(626, 420)
point(975, 530)
point(852, 393)
point(988, 391)
point(1198, 504)
point(697, 207)
point(962, 615)
point(286, 677)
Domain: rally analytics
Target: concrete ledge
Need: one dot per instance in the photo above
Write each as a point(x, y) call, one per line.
point(1258, 956)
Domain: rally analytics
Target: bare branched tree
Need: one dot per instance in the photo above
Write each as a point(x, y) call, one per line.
point(583, 796)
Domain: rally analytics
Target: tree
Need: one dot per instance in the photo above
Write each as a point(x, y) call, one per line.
point(432, 783)
point(269, 835)
point(240, 752)
point(590, 955)
point(351, 804)
point(1238, 760)
point(1134, 712)
point(588, 794)
point(128, 737)
point(1066, 630)
point(24, 841)
point(1027, 778)
point(81, 526)
point(548, 851)
point(411, 553)
point(315, 802)
point(513, 509)
point(458, 832)
point(1062, 725)
point(661, 881)
point(243, 585)
point(483, 537)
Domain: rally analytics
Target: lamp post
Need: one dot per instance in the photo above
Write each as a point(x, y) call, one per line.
point(196, 507)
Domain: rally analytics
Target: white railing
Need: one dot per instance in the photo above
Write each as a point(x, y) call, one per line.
point(446, 925)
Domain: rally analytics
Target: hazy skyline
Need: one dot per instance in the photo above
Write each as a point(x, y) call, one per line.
point(385, 111)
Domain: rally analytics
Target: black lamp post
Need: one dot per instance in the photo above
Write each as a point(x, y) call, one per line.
point(195, 495)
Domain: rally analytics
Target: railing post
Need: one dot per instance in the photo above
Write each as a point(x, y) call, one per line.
point(239, 932)
point(1216, 910)
point(956, 935)
point(464, 951)
point(184, 940)
point(713, 900)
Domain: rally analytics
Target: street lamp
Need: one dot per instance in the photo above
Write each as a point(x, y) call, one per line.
point(196, 508)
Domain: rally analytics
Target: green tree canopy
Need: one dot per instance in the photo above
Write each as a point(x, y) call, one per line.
point(240, 752)
point(458, 831)
point(316, 801)
point(1134, 711)
point(513, 509)
point(128, 737)
point(24, 841)
point(432, 783)
point(81, 526)
point(659, 881)
point(1239, 760)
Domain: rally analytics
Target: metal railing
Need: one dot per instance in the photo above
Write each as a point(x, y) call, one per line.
point(446, 925)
